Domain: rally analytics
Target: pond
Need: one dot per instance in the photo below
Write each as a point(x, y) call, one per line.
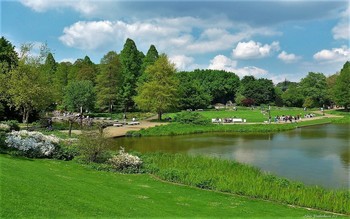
point(316, 155)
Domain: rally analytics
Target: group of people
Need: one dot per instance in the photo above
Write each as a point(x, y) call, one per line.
point(286, 118)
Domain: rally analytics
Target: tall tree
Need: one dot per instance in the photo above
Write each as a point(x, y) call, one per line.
point(261, 91)
point(79, 96)
point(314, 89)
point(130, 59)
point(85, 69)
point(108, 80)
point(220, 85)
point(193, 95)
point(61, 79)
point(151, 56)
point(293, 96)
point(159, 93)
point(29, 87)
point(342, 87)
point(8, 56)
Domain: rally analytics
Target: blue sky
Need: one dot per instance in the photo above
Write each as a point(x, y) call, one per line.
point(269, 39)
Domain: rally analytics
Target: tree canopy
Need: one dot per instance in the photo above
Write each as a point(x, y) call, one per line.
point(108, 81)
point(342, 87)
point(159, 94)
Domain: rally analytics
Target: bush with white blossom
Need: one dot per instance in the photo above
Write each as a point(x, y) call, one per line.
point(4, 127)
point(125, 161)
point(32, 144)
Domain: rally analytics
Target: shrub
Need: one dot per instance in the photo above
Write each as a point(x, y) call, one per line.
point(65, 152)
point(32, 144)
point(93, 147)
point(125, 162)
point(4, 127)
point(191, 118)
point(13, 124)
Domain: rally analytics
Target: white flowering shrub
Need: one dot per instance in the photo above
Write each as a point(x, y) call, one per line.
point(32, 144)
point(125, 161)
point(4, 127)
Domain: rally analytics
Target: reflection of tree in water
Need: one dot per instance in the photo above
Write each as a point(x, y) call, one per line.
point(345, 158)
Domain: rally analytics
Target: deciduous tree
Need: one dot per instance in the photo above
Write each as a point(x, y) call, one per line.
point(342, 87)
point(108, 81)
point(79, 96)
point(159, 93)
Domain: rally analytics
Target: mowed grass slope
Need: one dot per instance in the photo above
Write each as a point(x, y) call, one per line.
point(49, 188)
point(256, 115)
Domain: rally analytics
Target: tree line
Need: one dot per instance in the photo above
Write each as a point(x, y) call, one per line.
point(131, 81)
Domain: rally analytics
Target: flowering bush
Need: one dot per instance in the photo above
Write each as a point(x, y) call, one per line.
point(32, 144)
point(125, 161)
point(4, 127)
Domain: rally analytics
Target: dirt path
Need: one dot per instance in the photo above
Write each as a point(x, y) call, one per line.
point(121, 131)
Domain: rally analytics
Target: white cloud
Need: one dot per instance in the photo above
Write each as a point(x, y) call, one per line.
point(253, 50)
point(288, 58)
point(221, 62)
point(335, 55)
point(82, 6)
point(171, 35)
point(342, 30)
point(182, 62)
point(89, 35)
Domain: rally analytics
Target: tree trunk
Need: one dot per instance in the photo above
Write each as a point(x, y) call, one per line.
point(24, 115)
point(70, 127)
point(159, 116)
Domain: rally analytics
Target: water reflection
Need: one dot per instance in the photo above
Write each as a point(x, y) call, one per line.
point(315, 155)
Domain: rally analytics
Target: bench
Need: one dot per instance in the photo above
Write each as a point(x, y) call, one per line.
point(237, 120)
point(215, 120)
point(134, 123)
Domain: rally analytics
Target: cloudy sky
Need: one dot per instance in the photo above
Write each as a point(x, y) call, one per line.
point(269, 39)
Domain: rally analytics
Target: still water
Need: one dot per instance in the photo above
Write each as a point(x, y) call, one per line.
point(317, 155)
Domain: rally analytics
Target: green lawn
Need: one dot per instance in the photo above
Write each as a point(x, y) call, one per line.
point(49, 188)
point(255, 115)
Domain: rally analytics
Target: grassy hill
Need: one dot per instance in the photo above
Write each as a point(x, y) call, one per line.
point(50, 188)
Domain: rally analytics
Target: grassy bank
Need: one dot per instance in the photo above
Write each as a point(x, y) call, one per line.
point(256, 115)
point(182, 129)
point(232, 177)
point(58, 189)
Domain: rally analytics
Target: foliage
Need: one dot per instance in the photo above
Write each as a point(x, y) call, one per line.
point(220, 85)
point(342, 87)
point(230, 176)
point(261, 91)
point(159, 93)
point(32, 144)
point(85, 70)
point(12, 124)
point(191, 118)
point(150, 58)
point(313, 88)
point(192, 94)
point(65, 152)
point(8, 56)
point(79, 96)
point(108, 81)
point(125, 162)
point(93, 147)
point(293, 96)
point(131, 64)
point(28, 88)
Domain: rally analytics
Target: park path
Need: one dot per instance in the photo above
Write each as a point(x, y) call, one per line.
point(115, 132)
